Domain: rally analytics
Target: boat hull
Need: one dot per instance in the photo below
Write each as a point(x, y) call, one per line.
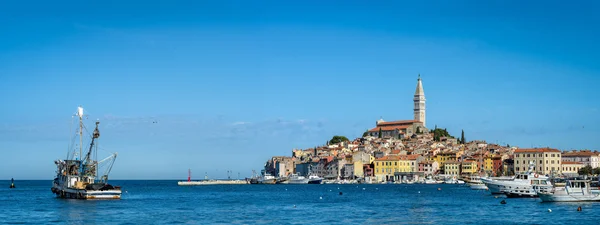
point(548, 197)
point(298, 181)
point(315, 181)
point(69, 193)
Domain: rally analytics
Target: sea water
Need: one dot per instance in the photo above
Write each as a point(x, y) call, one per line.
point(163, 202)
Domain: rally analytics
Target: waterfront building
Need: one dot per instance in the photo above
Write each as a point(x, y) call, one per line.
point(386, 166)
point(586, 157)
point(358, 169)
point(496, 165)
point(488, 165)
point(442, 157)
point(571, 168)
point(348, 171)
point(404, 128)
point(469, 166)
point(409, 163)
point(452, 168)
point(428, 167)
point(547, 160)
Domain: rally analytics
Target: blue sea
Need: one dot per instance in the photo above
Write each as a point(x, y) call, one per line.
point(163, 202)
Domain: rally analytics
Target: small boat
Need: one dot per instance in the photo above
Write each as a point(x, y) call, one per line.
point(297, 179)
point(12, 183)
point(77, 175)
point(314, 179)
point(573, 191)
point(267, 179)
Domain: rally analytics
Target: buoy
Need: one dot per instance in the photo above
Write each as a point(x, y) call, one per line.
point(329, 190)
point(496, 196)
point(376, 188)
point(320, 197)
point(340, 193)
point(503, 202)
point(364, 189)
point(419, 192)
point(439, 189)
point(549, 210)
point(286, 189)
point(579, 209)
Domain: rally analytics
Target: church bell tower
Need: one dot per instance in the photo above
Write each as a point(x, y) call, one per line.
point(419, 101)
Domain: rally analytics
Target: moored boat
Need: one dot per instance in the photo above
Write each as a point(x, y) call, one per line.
point(77, 176)
point(573, 191)
point(314, 179)
point(520, 185)
point(298, 179)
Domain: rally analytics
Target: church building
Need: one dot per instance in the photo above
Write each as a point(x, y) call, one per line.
point(404, 128)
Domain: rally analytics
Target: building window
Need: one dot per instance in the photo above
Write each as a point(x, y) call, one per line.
point(540, 162)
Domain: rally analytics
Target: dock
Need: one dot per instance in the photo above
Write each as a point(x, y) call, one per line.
point(210, 182)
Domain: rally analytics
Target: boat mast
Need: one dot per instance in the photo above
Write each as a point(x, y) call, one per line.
point(80, 114)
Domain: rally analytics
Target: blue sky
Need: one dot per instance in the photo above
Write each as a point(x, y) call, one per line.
point(232, 83)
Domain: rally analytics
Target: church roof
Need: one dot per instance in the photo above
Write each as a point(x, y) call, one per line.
point(389, 128)
point(398, 122)
point(419, 90)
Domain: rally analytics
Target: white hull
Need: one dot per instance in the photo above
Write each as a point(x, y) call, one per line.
point(298, 181)
point(546, 197)
point(478, 186)
point(87, 194)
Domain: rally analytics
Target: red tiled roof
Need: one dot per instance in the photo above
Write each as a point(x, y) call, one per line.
point(580, 154)
point(388, 158)
point(409, 157)
point(388, 128)
point(528, 150)
point(399, 122)
point(567, 162)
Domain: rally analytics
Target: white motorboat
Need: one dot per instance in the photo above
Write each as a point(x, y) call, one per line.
point(573, 191)
point(77, 175)
point(297, 179)
point(521, 185)
point(314, 179)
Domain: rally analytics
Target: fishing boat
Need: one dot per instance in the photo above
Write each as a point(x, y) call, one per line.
point(77, 175)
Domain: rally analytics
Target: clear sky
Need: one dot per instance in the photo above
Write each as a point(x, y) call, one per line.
point(232, 83)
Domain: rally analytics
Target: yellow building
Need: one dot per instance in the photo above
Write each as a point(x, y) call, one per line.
point(571, 167)
point(441, 158)
point(546, 160)
point(408, 163)
point(358, 169)
point(488, 164)
point(452, 168)
point(469, 167)
point(386, 166)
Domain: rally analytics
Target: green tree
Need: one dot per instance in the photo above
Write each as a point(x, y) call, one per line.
point(507, 145)
point(596, 171)
point(462, 137)
point(366, 133)
point(337, 139)
point(586, 170)
point(379, 135)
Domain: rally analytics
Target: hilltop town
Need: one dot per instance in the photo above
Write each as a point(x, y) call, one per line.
point(408, 150)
